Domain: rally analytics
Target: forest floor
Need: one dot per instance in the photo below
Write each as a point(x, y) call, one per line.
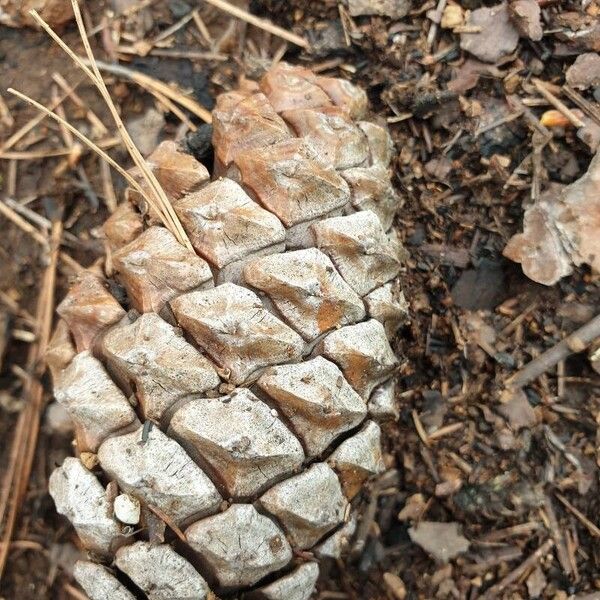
point(487, 496)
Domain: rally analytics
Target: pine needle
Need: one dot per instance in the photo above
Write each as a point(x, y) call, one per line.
point(155, 196)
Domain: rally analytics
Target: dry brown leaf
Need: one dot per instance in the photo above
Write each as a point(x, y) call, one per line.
point(440, 540)
point(561, 230)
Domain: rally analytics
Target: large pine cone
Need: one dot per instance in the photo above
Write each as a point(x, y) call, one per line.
point(235, 395)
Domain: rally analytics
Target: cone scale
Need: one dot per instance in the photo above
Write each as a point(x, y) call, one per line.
point(235, 394)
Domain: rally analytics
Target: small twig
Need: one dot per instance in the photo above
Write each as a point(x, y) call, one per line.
point(560, 106)
point(515, 574)
point(419, 427)
point(202, 28)
point(91, 116)
point(260, 23)
point(433, 29)
point(442, 431)
point(578, 341)
point(593, 529)
point(498, 123)
point(22, 224)
point(586, 106)
point(557, 536)
point(23, 131)
point(24, 443)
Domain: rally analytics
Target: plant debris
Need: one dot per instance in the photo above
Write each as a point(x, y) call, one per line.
point(441, 540)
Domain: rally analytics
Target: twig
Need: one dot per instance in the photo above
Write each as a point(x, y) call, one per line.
point(586, 106)
point(419, 427)
point(91, 116)
point(22, 224)
point(23, 131)
point(260, 23)
point(435, 20)
point(593, 529)
point(578, 341)
point(548, 95)
point(557, 536)
point(110, 198)
point(26, 433)
point(515, 574)
point(442, 431)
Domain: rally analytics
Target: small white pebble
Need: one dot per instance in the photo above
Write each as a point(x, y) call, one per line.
point(127, 509)
point(274, 412)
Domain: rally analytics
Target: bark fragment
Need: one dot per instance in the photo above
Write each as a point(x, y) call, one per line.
point(238, 437)
point(316, 398)
point(561, 230)
point(497, 38)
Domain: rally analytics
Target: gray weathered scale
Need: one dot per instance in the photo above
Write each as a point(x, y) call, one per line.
point(238, 399)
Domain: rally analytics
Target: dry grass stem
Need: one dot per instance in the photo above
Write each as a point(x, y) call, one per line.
point(91, 116)
point(83, 138)
point(264, 24)
point(560, 106)
point(23, 131)
point(157, 198)
point(22, 224)
point(24, 443)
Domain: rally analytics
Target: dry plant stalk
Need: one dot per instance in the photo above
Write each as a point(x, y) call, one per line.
point(155, 195)
point(24, 443)
point(271, 400)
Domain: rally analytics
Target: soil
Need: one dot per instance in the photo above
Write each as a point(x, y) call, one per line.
point(512, 476)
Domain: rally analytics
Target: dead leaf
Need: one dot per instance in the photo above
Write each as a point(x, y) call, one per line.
point(517, 410)
point(497, 37)
point(440, 540)
point(584, 72)
point(561, 230)
point(536, 583)
point(413, 508)
point(527, 17)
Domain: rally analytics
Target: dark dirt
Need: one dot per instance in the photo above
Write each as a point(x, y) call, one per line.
point(498, 471)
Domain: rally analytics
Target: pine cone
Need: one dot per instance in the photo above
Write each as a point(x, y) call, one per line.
point(235, 397)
